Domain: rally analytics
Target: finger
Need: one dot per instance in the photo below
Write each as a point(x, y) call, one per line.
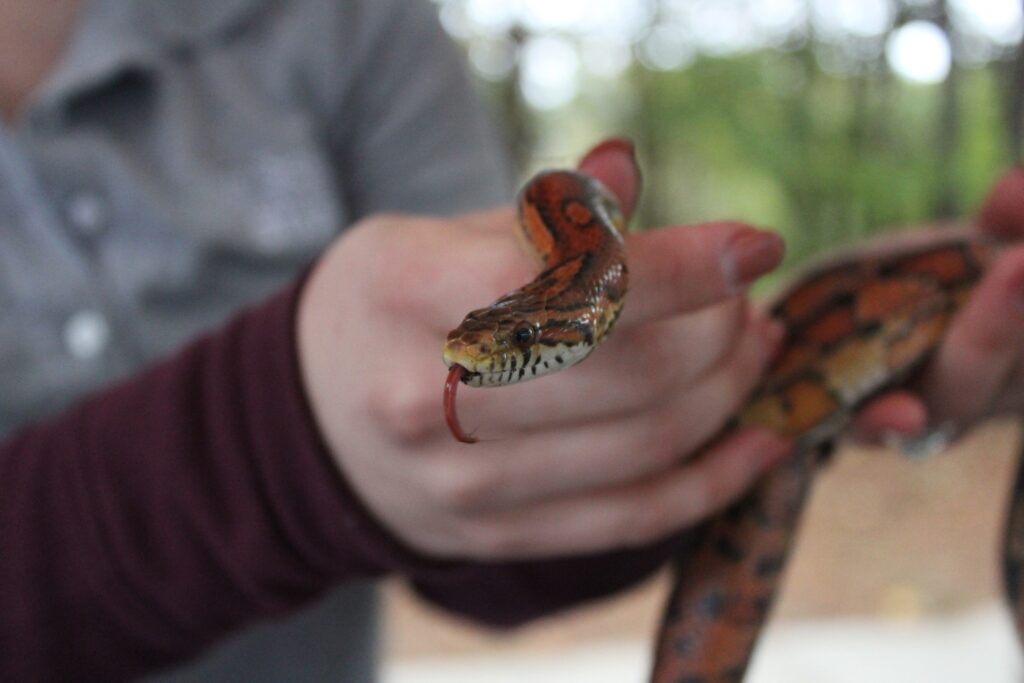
point(682, 269)
point(898, 412)
point(613, 162)
point(671, 353)
point(555, 462)
point(672, 270)
point(633, 515)
point(982, 346)
point(1002, 214)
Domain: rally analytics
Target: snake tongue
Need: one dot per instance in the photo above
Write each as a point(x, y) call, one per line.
point(451, 385)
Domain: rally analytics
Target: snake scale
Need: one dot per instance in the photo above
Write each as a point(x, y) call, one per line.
point(853, 329)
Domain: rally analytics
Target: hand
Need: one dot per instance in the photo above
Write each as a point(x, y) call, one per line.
point(978, 370)
point(597, 457)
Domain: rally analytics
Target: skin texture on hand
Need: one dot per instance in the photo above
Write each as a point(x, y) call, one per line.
point(977, 372)
point(603, 456)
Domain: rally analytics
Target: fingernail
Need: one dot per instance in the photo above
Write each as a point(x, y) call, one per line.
point(925, 444)
point(622, 144)
point(750, 254)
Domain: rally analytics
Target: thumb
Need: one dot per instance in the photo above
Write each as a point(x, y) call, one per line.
point(613, 162)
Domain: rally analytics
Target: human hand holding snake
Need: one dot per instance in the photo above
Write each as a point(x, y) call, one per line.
point(853, 329)
point(978, 370)
point(593, 459)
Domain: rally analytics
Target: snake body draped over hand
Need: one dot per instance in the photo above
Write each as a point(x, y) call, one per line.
point(853, 330)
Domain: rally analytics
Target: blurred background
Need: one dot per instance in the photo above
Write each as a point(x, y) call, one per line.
point(827, 120)
point(824, 118)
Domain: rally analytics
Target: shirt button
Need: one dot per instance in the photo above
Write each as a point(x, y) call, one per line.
point(86, 334)
point(87, 213)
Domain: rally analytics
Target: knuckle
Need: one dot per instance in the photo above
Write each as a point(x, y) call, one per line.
point(408, 410)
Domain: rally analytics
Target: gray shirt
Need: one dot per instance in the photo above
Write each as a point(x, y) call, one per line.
point(187, 157)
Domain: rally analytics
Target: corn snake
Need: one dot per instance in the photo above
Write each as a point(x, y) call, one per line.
point(854, 329)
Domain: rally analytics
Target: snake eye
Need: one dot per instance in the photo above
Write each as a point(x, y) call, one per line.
point(524, 335)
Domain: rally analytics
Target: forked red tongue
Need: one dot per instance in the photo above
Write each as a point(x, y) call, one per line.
point(451, 385)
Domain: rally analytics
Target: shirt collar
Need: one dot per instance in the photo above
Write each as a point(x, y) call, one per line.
point(116, 36)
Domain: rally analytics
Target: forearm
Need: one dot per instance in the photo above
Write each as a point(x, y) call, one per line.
point(177, 506)
point(166, 511)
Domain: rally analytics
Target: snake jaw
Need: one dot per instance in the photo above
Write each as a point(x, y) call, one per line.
point(451, 385)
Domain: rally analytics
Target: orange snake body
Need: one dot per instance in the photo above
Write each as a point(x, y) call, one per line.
point(854, 329)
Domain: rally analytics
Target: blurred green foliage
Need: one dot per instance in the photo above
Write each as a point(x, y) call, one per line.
point(770, 136)
point(770, 139)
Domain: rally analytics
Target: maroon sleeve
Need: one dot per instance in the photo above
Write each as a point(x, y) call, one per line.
point(163, 513)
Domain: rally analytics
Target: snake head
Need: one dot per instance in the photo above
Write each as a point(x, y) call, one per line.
point(556, 320)
point(495, 347)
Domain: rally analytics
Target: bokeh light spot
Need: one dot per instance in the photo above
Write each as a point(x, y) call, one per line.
point(550, 71)
point(919, 51)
